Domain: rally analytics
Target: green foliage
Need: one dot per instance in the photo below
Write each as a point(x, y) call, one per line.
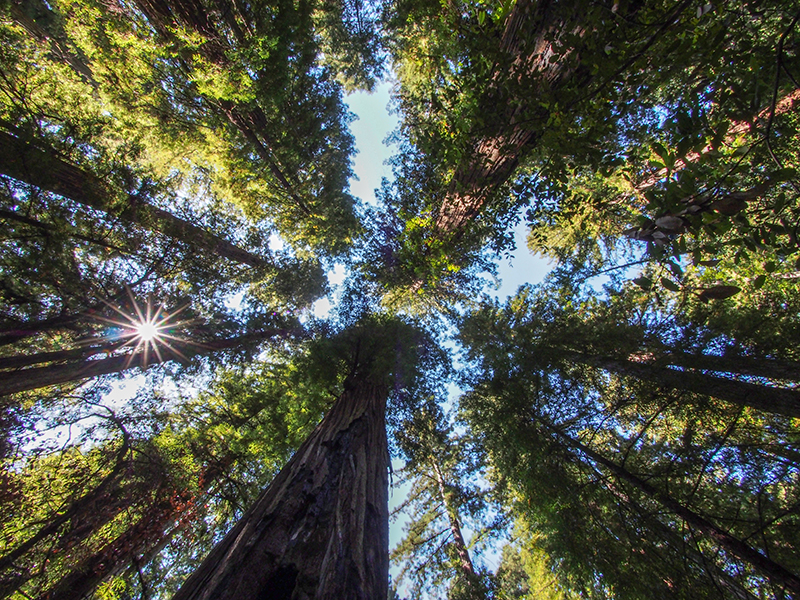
point(653, 133)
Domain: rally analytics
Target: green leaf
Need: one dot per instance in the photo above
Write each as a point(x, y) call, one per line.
point(758, 282)
point(670, 285)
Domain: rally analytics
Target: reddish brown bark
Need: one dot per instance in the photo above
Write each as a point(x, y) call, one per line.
point(786, 104)
point(320, 530)
point(513, 124)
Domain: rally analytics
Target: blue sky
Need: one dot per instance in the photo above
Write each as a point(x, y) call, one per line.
point(370, 130)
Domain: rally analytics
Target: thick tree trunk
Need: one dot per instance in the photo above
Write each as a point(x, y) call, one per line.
point(777, 574)
point(26, 360)
point(512, 124)
point(320, 530)
point(44, 169)
point(27, 329)
point(780, 401)
point(39, 377)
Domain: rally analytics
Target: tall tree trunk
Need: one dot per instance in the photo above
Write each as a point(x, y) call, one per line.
point(38, 377)
point(116, 555)
point(776, 573)
point(780, 401)
point(740, 365)
point(85, 509)
point(676, 541)
point(464, 560)
point(320, 530)
point(513, 124)
point(43, 168)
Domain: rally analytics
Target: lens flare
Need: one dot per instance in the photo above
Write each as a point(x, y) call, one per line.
point(147, 330)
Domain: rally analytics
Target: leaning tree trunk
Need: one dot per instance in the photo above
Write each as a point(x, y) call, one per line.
point(511, 125)
point(768, 368)
point(250, 121)
point(780, 401)
point(39, 377)
point(459, 545)
point(776, 573)
point(320, 530)
point(43, 168)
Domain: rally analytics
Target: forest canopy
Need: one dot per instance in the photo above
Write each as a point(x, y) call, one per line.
point(174, 193)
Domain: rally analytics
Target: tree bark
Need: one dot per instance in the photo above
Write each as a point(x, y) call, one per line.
point(38, 377)
point(780, 401)
point(740, 365)
point(465, 562)
point(320, 530)
point(513, 124)
point(46, 170)
point(774, 572)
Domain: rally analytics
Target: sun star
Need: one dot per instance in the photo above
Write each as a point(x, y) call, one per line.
point(147, 330)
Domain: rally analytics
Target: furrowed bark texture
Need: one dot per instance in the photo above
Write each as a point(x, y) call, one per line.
point(44, 169)
point(513, 124)
point(320, 530)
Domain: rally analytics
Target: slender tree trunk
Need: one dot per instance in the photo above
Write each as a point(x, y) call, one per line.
point(39, 377)
point(740, 365)
point(114, 556)
point(251, 122)
point(742, 393)
point(777, 574)
point(720, 578)
point(78, 511)
point(320, 530)
point(46, 170)
point(464, 560)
